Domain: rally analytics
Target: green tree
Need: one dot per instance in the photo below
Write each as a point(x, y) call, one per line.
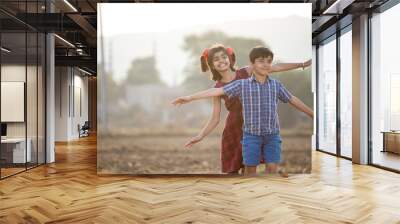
point(298, 82)
point(113, 89)
point(143, 71)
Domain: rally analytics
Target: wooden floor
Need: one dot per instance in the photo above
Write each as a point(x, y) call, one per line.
point(10, 171)
point(387, 159)
point(69, 191)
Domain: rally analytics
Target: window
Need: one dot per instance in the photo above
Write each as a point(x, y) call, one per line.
point(22, 68)
point(327, 96)
point(346, 94)
point(385, 87)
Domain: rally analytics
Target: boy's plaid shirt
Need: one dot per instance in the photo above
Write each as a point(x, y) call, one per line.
point(259, 102)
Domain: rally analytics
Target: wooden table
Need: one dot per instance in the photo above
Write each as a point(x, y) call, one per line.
point(13, 150)
point(391, 141)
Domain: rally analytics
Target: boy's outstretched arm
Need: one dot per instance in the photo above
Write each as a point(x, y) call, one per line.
point(299, 105)
point(280, 67)
point(199, 95)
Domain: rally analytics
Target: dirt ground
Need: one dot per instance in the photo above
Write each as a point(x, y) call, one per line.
point(160, 154)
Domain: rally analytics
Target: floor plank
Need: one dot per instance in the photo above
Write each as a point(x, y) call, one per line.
point(70, 191)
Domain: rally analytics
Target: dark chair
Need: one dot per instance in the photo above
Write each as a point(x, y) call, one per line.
point(84, 130)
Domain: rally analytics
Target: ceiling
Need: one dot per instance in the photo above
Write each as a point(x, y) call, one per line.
point(75, 21)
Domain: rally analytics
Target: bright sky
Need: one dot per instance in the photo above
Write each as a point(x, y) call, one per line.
point(159, 29)
point(116, 17)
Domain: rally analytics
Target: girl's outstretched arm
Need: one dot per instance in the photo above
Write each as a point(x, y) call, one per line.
point(199, 95)
point(211, 124)
point(280, 67)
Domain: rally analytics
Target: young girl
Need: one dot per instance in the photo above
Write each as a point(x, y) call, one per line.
point(221, 61)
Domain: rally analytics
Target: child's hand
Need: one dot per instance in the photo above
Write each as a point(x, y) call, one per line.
point(181, 100)
point(193, 141)
point(307, 63)
point(249, 69)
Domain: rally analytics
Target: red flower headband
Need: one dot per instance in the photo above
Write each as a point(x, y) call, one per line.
point(229, 51)
point(205, 54)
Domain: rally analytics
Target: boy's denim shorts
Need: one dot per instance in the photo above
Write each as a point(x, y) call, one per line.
point(254, 145)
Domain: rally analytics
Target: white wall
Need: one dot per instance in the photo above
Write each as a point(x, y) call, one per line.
point(81, 89)
point(70, 83)
point(33, 126)
point(12, 73)
point(62, 81)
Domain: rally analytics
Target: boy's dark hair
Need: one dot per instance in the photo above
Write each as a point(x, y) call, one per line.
point(260, 52)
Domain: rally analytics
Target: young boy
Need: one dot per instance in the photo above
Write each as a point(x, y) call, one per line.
point(259, 95)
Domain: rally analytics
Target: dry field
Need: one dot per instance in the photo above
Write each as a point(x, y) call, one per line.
point(162, 154)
